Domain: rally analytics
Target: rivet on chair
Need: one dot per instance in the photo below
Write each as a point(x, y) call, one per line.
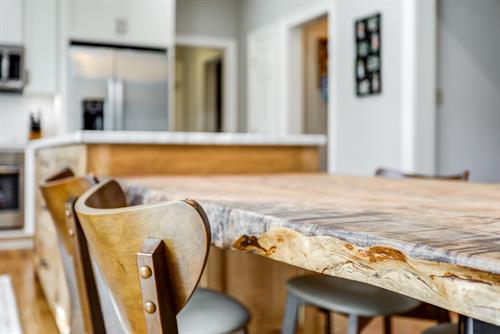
point(71, 232)
point(67, 213)
point(150, 307)
point(146, 272)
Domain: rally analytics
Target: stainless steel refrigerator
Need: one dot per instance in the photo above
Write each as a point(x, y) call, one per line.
point(117, 88)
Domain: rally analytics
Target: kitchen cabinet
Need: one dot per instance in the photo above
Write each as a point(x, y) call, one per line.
point(133, 22)
point(11, 18)
point(40, 41)
point(47, 258)
point(164, 154)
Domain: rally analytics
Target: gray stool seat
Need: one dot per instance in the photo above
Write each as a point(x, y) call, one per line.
point(445, 328)
point(350, 297)
point(211, 312)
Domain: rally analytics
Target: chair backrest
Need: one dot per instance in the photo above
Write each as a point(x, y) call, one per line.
point(394, 174)
point(59, 191)
point(121, 237)
point(56, 191)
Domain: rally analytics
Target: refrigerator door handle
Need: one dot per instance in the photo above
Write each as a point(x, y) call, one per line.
point(109, 108)
point(119, 116)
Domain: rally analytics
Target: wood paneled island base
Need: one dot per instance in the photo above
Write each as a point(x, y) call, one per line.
point(144, 154)
point(437, 241)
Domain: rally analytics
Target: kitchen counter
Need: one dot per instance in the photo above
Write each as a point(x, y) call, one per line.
point(132, 143)
point(180, 138)
point(121, 154)
point(436, 241)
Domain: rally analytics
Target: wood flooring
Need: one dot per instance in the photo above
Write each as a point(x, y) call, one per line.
point(36, 318)
point(34, 313)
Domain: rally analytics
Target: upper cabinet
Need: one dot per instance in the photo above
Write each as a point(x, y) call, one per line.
point(40, 44)
point(133, 22)
point(11, 18)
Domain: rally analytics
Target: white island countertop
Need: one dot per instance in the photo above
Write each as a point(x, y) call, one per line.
point(144, 138)
point(177, 138)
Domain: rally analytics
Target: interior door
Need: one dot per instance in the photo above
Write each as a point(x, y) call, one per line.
point(262, 80)
point(141, 90)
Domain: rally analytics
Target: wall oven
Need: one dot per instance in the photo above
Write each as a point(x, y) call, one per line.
point(11, 190)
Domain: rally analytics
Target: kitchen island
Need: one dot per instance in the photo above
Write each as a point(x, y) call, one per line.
point(121, 154)
point(436, 241)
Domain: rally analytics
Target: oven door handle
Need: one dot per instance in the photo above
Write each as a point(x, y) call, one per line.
point(6, 169)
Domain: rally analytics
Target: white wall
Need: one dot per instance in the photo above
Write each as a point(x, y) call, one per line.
point(469, 77)
point(219, 18)
point(396, 128)
point(366, 131)
point(14, 117)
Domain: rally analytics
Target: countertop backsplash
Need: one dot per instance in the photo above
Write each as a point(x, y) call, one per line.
point(14, 117)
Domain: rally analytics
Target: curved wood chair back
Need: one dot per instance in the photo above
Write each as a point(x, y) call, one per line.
point(59, 192)
point(56, 191)
point(395, 174)
point(157, 251)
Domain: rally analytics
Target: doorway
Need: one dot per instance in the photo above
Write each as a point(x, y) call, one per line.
point(310, 92)
point(315, 76)
point(199, 89)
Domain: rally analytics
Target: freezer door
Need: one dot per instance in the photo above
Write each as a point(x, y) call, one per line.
point(140, 90)
point(90, 79)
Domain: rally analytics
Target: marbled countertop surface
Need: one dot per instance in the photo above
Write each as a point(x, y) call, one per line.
point(437, 241)
point(177, 138)
point(454, 222)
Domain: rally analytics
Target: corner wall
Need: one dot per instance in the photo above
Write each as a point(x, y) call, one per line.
point(396, 128)
point(469, 78)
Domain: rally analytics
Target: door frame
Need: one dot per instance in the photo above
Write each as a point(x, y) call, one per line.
point(294, 79)
point(230, 73)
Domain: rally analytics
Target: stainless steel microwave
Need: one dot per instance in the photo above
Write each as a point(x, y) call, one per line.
point(12, 73)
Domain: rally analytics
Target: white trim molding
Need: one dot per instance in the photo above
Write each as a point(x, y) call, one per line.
point(418, 84)
point(230, 47)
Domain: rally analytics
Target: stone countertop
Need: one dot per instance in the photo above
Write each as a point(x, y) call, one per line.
point(437, 241)
point(177, 138)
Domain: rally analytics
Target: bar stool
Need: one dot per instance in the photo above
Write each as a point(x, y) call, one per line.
point(151, 257)
point(426, 310)
point(359, 301)
point(58, 191)
point(395, 174)
point(444, 328)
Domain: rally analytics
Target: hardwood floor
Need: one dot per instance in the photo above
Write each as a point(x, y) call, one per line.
point(36, 317)
point(34, 312)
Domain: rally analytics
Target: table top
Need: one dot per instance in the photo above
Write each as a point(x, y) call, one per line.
point(438, 241)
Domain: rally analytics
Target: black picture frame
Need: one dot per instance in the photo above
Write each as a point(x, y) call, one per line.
point(368, 62)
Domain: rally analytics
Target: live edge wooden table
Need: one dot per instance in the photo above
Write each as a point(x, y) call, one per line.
point(436, 241)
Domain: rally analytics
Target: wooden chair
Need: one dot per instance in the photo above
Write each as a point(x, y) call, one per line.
point(152, 257)
point(395, 174)
point(358, 301)
point(59, 192)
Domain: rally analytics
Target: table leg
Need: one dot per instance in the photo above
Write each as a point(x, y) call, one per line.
point(473, 326)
